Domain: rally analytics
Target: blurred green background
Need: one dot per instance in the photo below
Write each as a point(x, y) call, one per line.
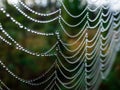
point(27, 66)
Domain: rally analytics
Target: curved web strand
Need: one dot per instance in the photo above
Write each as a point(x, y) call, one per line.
point(109, 24)
point(92, 68)
point(1, 88)
point(96, 36)
point(73, 25)
point(70, 70)
point(117, 25)
point(32, 19)
point(69, 50)
point(51, 84)
point(74, 77)
point(108, 51)
point(98, 17)
point(29, 82)
point(73, 16)
point(74, 55)
point(72, 36)
point(66, 76)
point(92, 63)
point(95, 26)
point(93, 44)
point(40, 77)
point(106, 39)
point(109, 17)
point(6, 87)
point(117, 21)
point(110, 46)
point(67, 87)
point(38, 13)
point(76, 41)
point(23, 27)
point(75, 81)
point(92, 75)
point(110, 64)
point(107, 14)
point(109, 34)
point(81, 85)
point(74, 61)
point(93, 10)
point(4, 40)
point(95, 49)
point(18, 46)
point(111, 56)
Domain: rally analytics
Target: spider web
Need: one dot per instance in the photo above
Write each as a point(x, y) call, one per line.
point(87, 64)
